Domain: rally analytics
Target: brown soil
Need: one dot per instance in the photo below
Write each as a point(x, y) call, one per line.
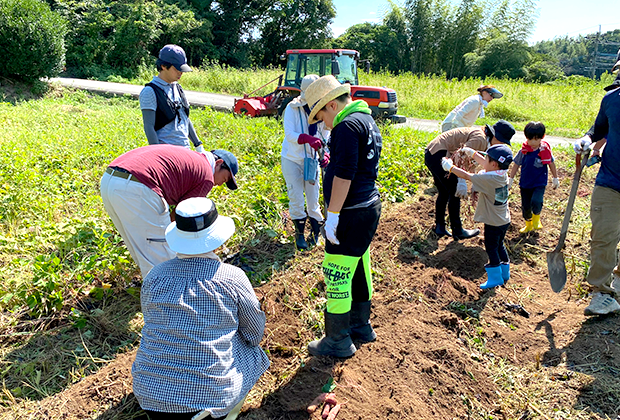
point(441, 342)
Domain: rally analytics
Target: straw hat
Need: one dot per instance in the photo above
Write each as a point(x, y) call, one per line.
point(198, 228)
point(323, 90)
point(305, 82)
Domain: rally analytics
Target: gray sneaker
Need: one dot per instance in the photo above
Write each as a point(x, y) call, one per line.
point(602, 304)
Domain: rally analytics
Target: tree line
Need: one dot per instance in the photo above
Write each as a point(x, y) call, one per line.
point(473, 38)
point(96, 38)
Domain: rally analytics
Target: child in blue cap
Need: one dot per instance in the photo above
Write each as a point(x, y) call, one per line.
point(492, 209)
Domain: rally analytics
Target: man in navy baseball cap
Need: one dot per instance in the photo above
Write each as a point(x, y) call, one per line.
point(165, 109)
point(175, 55)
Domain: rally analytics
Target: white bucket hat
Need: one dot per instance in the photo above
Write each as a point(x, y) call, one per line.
point(305, 82)
point(323, 90)
point(198, 228)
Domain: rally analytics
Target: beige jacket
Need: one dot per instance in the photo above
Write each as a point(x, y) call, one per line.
point(452, 140)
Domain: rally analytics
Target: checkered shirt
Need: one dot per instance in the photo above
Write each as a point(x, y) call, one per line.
point(200, 341)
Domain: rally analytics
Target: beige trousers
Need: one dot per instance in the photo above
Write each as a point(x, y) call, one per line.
point(141, 217)
point(605, 235)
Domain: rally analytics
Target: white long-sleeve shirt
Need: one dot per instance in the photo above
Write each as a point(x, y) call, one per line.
point(467, 112)
point(295, 122)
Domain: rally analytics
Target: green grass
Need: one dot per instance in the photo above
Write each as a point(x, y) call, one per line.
point(567, 108)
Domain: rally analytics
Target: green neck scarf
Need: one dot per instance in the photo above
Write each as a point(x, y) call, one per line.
point(355, 106)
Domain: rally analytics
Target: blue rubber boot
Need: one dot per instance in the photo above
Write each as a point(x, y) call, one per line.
point(505, 271)
point(494, 278)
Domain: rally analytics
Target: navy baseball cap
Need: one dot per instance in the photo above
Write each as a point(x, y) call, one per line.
point(502, 154)
point(230, 162)
point(175, 55)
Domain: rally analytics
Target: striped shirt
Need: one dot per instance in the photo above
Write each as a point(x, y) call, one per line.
point(200, 342)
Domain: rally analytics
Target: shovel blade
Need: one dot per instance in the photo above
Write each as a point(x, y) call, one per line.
point(557, 270)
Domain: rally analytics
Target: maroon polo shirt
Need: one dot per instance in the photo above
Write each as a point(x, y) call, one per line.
point(173, 172)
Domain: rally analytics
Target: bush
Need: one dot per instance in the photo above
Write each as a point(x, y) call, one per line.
point(543, 71)
point(32, 40)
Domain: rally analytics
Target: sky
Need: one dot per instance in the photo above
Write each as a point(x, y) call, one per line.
point(556, 17)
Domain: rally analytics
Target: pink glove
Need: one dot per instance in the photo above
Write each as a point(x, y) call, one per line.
point(310, 140)
point(325, 161)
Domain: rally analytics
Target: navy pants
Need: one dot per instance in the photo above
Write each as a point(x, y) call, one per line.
point(532, 201)
point(156, 415)
point(494, 244)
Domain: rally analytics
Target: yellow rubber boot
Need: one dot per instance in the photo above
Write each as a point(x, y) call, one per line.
point(528, 227)
point(536, 222)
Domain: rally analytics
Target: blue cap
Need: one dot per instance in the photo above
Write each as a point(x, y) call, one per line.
point(175, 55)
point(231, 163)
point(502, 154)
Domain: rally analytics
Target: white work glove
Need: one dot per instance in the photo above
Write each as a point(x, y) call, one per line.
point(582, 144)
point(199, 148)
point(331, 224)
point(461, 188)
point(555, 182)
point(468, 151)
point(446, 164)
point(510, 181)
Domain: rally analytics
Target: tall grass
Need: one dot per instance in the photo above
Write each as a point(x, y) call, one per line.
point(567, 108)
point(217, 78)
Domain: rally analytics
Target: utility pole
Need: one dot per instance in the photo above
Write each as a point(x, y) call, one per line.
point(598, 36)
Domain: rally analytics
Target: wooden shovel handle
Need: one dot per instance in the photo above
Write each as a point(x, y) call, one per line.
point(580, 162)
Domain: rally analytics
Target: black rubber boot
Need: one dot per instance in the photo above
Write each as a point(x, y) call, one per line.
point(465, 233)
point(440, 230)
point(337, 341)
point(300, 240)
point(315, 231)
point(361, 330)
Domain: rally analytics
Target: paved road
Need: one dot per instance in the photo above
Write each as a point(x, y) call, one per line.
point(216, 101)
point(225, 103)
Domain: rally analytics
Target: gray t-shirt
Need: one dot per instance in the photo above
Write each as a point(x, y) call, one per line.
point(492, 206)
point(175, 132)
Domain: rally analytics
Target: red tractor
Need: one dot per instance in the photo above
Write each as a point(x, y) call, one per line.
point(342, 64)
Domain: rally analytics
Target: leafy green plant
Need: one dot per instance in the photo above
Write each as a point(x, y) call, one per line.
point(32, 40)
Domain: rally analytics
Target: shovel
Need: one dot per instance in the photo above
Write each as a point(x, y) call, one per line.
point(555, 258)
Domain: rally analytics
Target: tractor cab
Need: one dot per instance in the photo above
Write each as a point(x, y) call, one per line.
point(342, 64)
